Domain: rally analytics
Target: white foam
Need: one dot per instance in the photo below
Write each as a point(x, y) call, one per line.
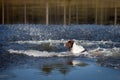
point(31, 48)
point(105, 52)
point(40, 42)
point(36, 53)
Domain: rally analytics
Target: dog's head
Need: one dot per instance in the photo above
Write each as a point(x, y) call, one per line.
point(69, 44)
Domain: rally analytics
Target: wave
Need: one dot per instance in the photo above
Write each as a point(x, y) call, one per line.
point(34, 41)
point(55, 48)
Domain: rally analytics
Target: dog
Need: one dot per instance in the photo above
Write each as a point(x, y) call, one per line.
point(77, 50)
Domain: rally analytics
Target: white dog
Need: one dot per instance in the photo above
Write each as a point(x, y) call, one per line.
point(77, 50)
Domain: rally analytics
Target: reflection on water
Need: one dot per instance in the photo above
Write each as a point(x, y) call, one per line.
point(63, 68)
point(57, 68)
point(16, 67)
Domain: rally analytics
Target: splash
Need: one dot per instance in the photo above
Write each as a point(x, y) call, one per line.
point(48, 41)
point(55, 48)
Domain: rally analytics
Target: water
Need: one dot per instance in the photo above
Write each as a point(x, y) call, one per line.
point(38, 52)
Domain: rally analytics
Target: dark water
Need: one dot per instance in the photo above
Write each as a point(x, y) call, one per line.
point(37, 52)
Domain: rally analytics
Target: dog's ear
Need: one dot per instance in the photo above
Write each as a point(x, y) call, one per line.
point(69, 44)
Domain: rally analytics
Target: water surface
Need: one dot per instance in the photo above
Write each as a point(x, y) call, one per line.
point(37, 52)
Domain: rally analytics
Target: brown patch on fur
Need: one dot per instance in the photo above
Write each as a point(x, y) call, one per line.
point(69, 44)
